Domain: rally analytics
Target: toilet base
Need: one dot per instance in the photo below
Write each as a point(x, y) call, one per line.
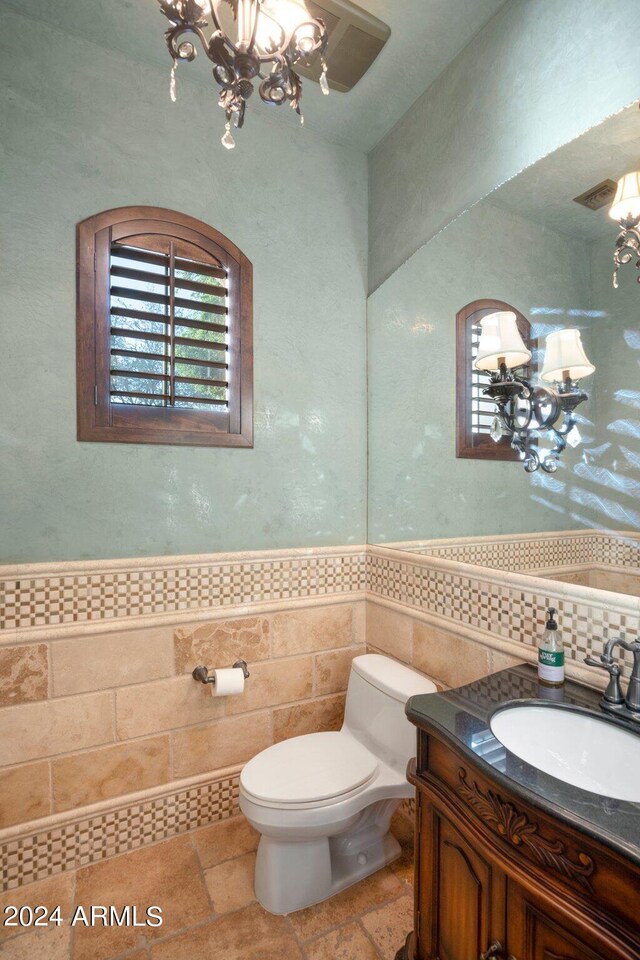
point(292, 875)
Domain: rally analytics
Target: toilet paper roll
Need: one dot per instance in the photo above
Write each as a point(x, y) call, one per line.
point(229, 682)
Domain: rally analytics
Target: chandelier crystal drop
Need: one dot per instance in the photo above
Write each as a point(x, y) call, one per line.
point(172, 82)
point(251, 43)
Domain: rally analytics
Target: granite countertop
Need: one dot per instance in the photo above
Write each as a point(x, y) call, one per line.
point(462, 716)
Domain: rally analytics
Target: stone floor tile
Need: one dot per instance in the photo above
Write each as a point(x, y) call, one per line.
point(389, 925)
point(167, 875)
point(374, 890)
point(248, 934)
point(346, 943)
point(224, 841)
point(52, 892)
point(230, 884)
point(50, 943)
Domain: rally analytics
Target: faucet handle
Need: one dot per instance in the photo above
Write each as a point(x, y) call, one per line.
point(613, 694)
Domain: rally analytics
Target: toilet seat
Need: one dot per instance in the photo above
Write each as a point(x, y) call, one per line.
point(312, 770)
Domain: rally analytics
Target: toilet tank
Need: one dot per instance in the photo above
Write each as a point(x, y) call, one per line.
point(378, 691)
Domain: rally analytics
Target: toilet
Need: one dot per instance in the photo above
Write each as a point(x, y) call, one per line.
point(323, 802)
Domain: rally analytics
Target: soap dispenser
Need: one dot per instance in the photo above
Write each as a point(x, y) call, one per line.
point(551, 653)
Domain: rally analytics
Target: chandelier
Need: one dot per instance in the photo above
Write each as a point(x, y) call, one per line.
point(625, 209)
point(252, 41)
point(524, 411)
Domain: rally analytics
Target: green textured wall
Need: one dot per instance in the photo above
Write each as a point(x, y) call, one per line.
point(539, 74)
point(609, 490)
point(418, 490)
point(84, 129)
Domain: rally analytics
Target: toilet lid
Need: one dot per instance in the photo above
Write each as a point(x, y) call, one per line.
point(315, 767)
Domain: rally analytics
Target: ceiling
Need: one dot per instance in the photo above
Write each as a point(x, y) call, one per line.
point(425, 36)
point(544, 192)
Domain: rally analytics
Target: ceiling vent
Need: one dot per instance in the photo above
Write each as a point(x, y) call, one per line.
point(599, 196)
point(355, 40)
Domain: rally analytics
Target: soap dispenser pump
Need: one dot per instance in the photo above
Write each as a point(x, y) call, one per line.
point(551, 653)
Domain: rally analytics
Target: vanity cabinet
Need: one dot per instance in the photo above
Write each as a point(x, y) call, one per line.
point(499, 877)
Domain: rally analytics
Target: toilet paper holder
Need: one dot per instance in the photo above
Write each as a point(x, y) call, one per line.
point(202, 673)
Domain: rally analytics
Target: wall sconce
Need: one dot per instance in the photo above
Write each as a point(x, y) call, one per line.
point(625, 209)
point(525, 411)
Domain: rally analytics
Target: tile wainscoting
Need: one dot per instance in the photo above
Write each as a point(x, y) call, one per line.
point(103, 727)
point(107, 742)
point(499, 610)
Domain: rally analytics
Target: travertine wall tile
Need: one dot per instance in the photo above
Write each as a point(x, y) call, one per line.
point(446, 657)
point(111, 660)
point(164, 705)
point(24, 674)
point(501, 661)
point(222, 743)
point(274, 682)
point(222, 642)
point(332, 669)
point(24, 793)
point(359, 625)
point(390, 631)
point(316, 628)
point(36, 730)
point(96, 775)
point(314, 716)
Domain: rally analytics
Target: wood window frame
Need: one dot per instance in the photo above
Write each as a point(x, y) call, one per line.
point(471, 445)
point(99, 419)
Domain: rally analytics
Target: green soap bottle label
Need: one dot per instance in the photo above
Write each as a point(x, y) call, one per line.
point(549, 659)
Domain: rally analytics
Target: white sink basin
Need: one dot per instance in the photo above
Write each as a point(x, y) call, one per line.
point(587, 752)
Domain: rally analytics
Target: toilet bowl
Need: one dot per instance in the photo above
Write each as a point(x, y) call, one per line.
point(323, 802)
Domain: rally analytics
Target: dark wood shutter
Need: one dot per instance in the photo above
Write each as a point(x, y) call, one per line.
point(474, 412)
point(164, 331)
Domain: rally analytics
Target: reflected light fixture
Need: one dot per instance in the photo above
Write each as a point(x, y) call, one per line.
point(525, 411)
point(625, 209)
point(248, 41)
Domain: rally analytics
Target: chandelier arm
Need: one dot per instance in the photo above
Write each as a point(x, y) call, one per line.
point(175, 33)
point(214, 17)
point(252, 41)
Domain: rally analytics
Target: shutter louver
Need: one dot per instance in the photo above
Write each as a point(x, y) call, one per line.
point(483, 410)
point(169, 334)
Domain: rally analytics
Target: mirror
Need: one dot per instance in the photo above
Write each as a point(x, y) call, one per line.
point(531, 246)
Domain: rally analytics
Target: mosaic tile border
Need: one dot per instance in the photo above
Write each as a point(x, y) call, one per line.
point(494, 604)
point(543, 551)
point(41, 851)
point(37, 595)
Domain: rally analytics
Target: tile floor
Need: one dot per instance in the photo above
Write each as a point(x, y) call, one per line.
point(204, 883)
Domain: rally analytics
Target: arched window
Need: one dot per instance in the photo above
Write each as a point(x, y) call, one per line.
point(164, 331)
point(475, 413)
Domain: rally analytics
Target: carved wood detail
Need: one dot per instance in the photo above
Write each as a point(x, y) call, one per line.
point(521, 832)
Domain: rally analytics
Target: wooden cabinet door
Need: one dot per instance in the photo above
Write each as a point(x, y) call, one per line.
point(460, 897)
point(535, 931)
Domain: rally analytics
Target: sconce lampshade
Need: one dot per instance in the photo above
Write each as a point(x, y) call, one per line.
point(500, 341)
point(565, 356)
point(626, 203)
